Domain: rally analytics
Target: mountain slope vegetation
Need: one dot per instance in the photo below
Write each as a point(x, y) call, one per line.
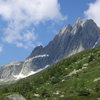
point(74, 78)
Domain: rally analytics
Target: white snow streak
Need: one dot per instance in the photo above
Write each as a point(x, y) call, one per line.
point(20, 76)
point(38, 56)
point(96, 42)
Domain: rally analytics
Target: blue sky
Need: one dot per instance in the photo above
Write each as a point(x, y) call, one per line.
point(24, 27)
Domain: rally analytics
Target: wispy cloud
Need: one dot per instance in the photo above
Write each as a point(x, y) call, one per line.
point(1, 48)
point(93, 12)
point(21, 14)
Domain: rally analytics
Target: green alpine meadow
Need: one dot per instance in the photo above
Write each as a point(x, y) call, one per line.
point(74, 78)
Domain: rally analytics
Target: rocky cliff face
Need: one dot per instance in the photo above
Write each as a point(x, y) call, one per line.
point(70, 40)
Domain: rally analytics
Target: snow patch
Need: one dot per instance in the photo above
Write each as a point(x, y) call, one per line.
point(20, 76)
point(38, 56)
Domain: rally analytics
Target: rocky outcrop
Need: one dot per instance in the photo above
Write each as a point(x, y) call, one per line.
point(16, 97)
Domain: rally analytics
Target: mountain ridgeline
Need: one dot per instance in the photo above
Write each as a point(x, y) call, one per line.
point(83, 35)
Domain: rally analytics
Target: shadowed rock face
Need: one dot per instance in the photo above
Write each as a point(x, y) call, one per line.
point(70, 40)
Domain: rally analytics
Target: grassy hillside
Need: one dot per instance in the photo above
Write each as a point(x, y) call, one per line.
point(74, 78)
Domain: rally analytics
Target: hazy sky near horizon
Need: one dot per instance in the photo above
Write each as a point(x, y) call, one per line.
point(25, 24)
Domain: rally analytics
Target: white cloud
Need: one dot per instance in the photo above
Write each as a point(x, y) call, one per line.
point(21, 14)
point(1, 48)
point(93, 12)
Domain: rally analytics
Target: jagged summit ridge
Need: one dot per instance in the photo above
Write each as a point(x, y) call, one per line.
point(79, 22)
point(78, 25)
point(83, 35)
